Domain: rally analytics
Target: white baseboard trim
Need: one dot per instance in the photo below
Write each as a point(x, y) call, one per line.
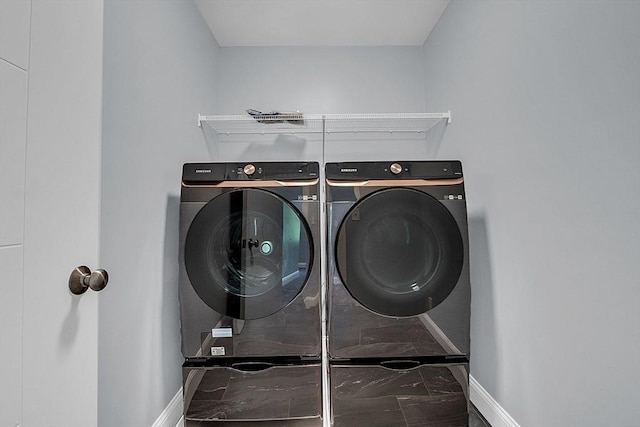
point(171, 416)
point(486, 404)
point(488, 407)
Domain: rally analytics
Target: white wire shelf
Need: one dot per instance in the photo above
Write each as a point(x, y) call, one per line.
point(322, 123)
point(248, 125)
point(298, 133)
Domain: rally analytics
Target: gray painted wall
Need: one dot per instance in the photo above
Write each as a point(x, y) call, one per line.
point(546, 118)
point(159, 72)
point(318, 80)
point(321, 79)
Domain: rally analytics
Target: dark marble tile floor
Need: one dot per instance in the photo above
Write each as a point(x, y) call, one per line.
point(475, 420)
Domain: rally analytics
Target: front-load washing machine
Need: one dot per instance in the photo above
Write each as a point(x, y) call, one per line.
point(249, 289)
point(399, 290)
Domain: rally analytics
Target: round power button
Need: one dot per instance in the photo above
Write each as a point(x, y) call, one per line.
point(249, 169)
point(395, 168)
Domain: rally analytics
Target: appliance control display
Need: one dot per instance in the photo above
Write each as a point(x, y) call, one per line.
point(438, 169)
point(218, 172)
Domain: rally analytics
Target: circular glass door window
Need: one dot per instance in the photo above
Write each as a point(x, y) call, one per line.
point(399, 252)
point(248, 253)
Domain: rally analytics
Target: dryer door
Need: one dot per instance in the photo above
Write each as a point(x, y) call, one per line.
point(248, 253)
point(399, 252)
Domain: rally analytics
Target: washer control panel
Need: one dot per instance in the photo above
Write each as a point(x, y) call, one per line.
point(217, 172)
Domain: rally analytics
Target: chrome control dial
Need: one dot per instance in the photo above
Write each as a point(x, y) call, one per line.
point(395, 168)
point(249, 169)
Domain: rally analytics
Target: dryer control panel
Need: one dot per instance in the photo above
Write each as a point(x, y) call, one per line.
point(437, 169)
point(258, 171)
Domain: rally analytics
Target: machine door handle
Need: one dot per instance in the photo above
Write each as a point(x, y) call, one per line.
point(82, 279)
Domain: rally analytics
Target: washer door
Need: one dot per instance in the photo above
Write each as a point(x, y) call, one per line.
point(399, 252)
point(248, 253)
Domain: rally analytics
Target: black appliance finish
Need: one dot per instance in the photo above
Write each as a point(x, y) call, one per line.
point(399, 289)
point(253, 393)
point(250, 292)
point(409, 394)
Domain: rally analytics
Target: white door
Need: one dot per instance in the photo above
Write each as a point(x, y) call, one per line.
point(50, 210)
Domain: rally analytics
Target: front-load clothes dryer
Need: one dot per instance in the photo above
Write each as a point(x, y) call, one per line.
point(249, 278)
point(398, 268)
point(399, 294)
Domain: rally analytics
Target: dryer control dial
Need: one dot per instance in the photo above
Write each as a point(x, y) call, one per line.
point(249, 169)
point(395, 168)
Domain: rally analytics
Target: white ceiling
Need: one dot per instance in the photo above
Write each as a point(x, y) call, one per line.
point(321, 22)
